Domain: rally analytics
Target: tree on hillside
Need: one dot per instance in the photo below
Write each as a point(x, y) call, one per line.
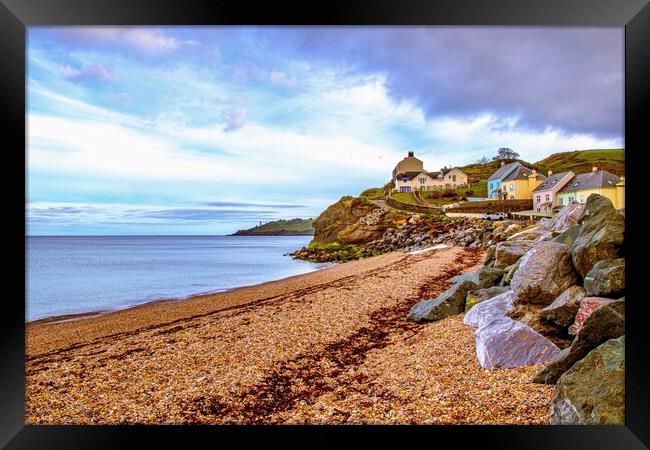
point(484, 160)
point(505, 153)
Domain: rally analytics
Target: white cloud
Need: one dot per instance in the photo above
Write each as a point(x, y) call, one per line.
point(143, 39)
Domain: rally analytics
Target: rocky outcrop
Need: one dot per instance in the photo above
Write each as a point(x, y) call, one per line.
point(592, 392)
point(606, 322)
point(489, 310)
point(601, 234)
point(505, 342)
point(606, 278)
point(508, 253)
point(480, 295)
point(587, 306)
point(449, 303)
point(564, 308)
point(544, 273)
point(338, 216)
point(370, 227)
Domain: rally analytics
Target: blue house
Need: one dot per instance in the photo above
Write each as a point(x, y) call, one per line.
point(495, 180)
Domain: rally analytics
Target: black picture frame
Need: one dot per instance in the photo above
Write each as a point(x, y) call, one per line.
point(16, 15)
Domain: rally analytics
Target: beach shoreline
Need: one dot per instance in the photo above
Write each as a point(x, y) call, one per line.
point(328, 346)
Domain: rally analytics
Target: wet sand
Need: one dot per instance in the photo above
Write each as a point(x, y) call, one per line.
point(330, 346)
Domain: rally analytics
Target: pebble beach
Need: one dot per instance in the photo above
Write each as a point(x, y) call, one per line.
point(326, 347)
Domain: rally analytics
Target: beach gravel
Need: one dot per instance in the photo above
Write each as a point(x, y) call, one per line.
point(331, 346)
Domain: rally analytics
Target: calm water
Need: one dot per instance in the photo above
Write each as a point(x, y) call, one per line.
point(67, 275)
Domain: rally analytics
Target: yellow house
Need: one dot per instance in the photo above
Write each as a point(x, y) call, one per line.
point(595, 182)
point(520, 183)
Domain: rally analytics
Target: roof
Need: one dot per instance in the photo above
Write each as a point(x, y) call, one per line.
point(552, 181)
point(521, 173)
point(592, 180)
point(409, 175)
point(435, 174)
point(503, 171)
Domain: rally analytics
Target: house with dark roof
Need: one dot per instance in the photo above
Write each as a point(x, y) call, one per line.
point(545, 195)
point(595, 182)
point(513, 181)
point(409, 175)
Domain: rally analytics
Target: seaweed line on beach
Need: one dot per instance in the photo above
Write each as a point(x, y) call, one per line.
point(306, 377)
point(184, 323)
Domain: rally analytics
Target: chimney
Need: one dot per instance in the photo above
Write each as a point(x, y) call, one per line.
point(411, 154)
point(594, 169)
point(550, 172)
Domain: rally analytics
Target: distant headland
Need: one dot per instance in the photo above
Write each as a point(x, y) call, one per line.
point(293, 227)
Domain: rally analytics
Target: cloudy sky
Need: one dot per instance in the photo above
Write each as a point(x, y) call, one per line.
point(205, 130)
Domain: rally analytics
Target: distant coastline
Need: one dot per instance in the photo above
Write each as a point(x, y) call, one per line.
point(293, 227)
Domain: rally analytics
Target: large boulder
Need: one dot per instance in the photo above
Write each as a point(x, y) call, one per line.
point(565, 219)
point(587, 306)
point(564, 308)
point(530, 314)
point(449, 303)
point(489, 257)
point(508, 252)
point(606, 278)
point(568, 237)
point(480, 295)
point(489, 276)
point(529, 234)
point(488, 310)
point(544, 273)
point(467, 276)
point(601, 235)
point(592, 392)
point(510, 273)
point(504, 342)
point(606, 322)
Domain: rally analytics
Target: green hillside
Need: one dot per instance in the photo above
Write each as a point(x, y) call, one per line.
point(293, 227)
point(578, 161)
point(581, 161)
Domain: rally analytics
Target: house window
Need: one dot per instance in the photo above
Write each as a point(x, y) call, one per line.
point(539, 198)
point(423, 180)
point(447, 186)
point(548, 197)
point(453, 178)
point(512, 186)
point(571, 198)
point(582, 198)
point(405, 189)
point(561, 201)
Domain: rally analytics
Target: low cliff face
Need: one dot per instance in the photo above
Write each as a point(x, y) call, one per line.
point(353, 221)
point(337, 217)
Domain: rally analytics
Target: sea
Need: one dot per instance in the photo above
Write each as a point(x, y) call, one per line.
point(81, 274)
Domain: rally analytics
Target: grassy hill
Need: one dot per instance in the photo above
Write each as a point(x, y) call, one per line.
point(581, 161)
point(578, 161)
point(293, 227)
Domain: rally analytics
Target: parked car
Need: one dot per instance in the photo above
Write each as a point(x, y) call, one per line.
point(493, 217)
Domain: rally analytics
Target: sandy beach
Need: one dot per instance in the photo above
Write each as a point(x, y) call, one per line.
point(327, 347)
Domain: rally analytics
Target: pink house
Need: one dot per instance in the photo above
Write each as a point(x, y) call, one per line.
point(545, 195)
